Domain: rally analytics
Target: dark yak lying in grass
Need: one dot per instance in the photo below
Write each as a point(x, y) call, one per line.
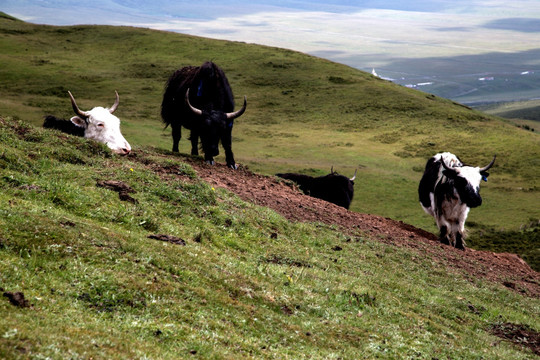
point(200, 99)
point(65, 126)
point(98, 124)
point(447, 191)
point(334, 188)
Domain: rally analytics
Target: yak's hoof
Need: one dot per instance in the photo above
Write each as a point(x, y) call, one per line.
point(210, 162)
point(444, 241)
point(233, 166)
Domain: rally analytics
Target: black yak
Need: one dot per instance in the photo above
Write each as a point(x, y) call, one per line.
point(98, 124)
point(334, 188)
point(201, 100)
point(447, 191)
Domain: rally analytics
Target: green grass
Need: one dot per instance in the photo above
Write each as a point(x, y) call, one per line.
point(304, 114)
point(523, 113)
point(247, 284)
point(100, 288)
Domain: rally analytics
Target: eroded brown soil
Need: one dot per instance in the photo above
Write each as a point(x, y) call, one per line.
point(506, 269)
point(518, 334)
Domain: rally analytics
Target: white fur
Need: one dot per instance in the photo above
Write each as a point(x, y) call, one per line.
point(104, 127)
point(472, 174)
point(450, 160)
point(453, 213)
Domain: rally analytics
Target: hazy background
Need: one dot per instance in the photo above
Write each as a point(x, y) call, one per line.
point(471, 51)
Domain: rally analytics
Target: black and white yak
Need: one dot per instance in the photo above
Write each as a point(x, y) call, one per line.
point(447, 191)
point(98, 124)
point(334, 188)
point(200, 99)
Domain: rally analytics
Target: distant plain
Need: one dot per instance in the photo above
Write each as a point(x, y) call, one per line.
point(450, 48)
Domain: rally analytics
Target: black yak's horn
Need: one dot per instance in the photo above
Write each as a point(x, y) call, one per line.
point(78, 111)
point(194, 109)
point(113, 108)
point(354, 176)
point(238, 113)
point(486, 168)
point(446, 166)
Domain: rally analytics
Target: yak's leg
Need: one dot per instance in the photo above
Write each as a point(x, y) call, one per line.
point(176, 136)
point(226, 141)
point(209, 159)
point(460, 244)
point(209, 154)
point(443, 237)
point(194, 137)
point(460, 233)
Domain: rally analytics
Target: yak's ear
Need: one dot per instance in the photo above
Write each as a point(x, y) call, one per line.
point(485, 175)
point(80, 122)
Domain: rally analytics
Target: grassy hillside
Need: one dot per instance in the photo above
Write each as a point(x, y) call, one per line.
point(524, 113)
point(231, 280)
point(304, 114)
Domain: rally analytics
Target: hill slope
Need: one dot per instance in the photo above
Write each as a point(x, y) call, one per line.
point(506, 269)
point(304, 114)
point(178, 267)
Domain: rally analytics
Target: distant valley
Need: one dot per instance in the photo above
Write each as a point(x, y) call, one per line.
point(473, 52)
point(475, 81)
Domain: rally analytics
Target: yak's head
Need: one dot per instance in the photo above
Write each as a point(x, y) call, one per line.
point(214, 126)
point(101, 125)
point(335, 173)
point(208, 72)
point(467, 181)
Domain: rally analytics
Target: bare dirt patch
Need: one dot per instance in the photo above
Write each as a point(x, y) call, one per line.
point(168, 238)
point(121, 188)
point(506, 269)
point(518, 334)
point(17, 299)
